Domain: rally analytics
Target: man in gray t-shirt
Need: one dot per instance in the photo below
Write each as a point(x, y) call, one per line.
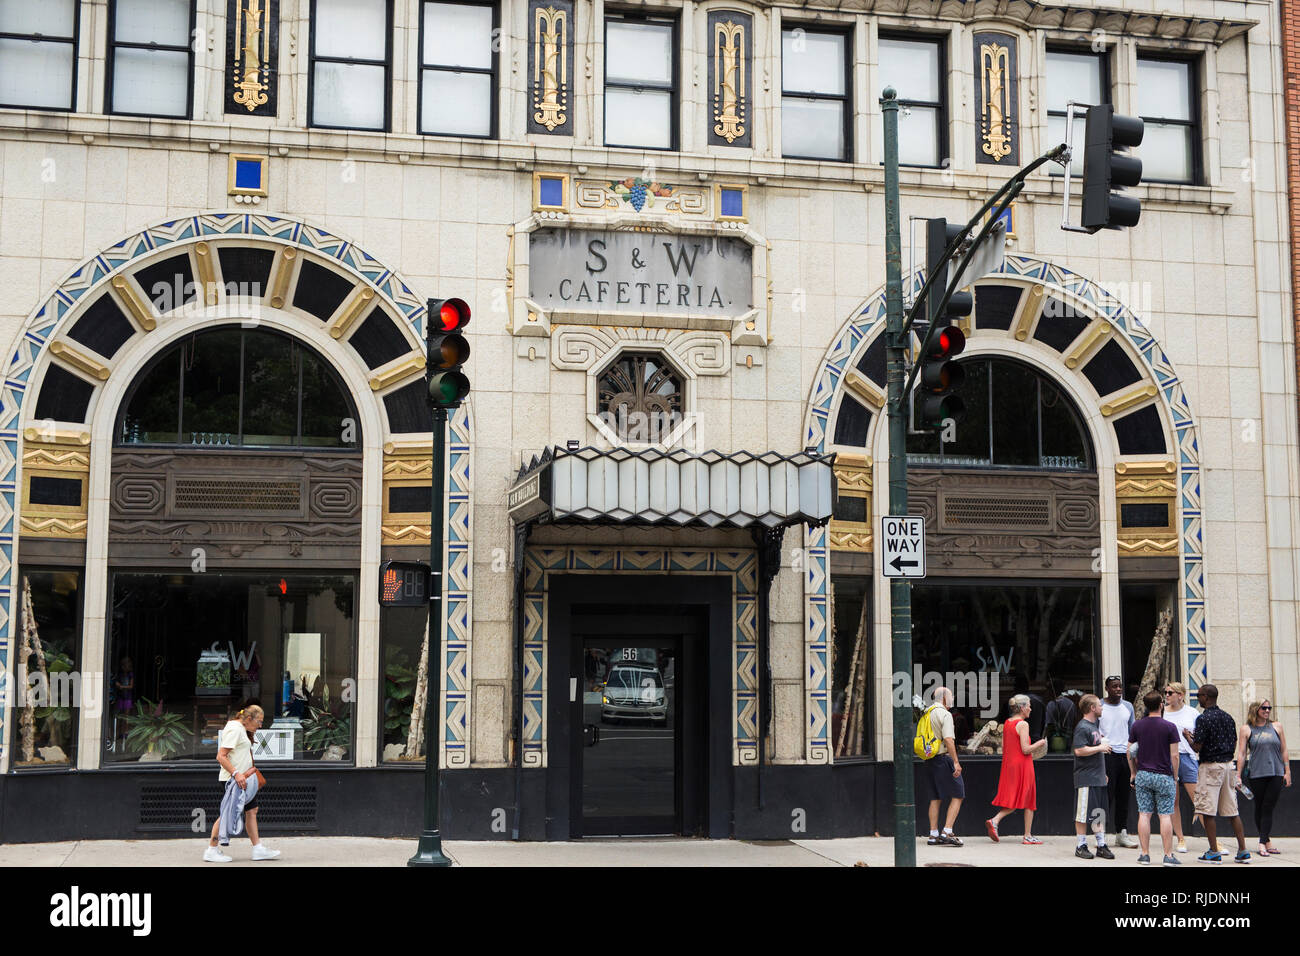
point(1090, 793)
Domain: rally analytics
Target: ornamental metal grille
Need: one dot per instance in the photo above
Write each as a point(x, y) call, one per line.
point(640, 395)
point(237, 494)
point(1021, 514)
point(173, 806)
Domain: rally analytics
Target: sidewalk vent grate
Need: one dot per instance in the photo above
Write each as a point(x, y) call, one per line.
point(174, 806)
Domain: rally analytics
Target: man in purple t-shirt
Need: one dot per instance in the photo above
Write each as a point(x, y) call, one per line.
point(1155, 777)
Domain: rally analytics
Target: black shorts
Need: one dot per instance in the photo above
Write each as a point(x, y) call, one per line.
point(1091, 804)
point(943, 785)
point(251, 804)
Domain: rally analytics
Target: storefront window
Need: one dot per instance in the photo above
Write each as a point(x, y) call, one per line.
point(987, 642)
point(402, 631)
point(199, 646)
point(50, 689)
point(851, 667)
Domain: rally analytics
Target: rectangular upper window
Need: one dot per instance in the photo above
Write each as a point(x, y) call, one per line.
point(351, 58)
point(1083, 77)
point(38, 54)
point(640, 82)
point(916, 69)
point(1167, 103)
point(815, 104)
point(150, 57)
point(458, 69)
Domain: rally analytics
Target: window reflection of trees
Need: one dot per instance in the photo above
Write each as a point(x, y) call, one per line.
point(1016, 417)
point(237, 387)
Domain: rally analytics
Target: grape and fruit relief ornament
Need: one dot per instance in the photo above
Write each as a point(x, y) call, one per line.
point(638, 192)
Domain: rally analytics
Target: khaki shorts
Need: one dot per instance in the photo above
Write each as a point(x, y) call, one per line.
point(1215, 795)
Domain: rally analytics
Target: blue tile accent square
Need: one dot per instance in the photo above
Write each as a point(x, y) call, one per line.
point(550, 191)
point(248, 174)
point(732, 202)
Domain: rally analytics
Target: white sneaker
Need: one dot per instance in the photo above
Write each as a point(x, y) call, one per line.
point(1126, 841)
point(214, 855)
point(264, 852)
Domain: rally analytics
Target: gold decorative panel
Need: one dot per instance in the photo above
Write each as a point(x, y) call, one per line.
point(55, 462)
point(1147, 488)
point(854, 481)
point(996, 100)
point(550, 67)
point(406, 467)
point(252, 48)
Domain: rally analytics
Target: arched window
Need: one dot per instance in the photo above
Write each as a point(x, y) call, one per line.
point(1016, 417)
point(251, 388)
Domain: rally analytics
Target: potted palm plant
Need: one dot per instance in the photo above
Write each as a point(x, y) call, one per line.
point(153, 734)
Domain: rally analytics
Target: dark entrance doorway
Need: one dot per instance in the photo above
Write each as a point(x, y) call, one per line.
point(638, 721)
point(656, 759)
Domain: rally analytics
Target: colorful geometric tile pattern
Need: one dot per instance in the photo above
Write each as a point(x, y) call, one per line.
point(847, 345)
point(59, 310)
point(741, 566)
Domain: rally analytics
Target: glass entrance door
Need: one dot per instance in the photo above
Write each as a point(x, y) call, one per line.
point(631, 747)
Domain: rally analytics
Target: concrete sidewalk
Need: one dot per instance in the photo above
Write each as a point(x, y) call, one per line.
point(366, 851)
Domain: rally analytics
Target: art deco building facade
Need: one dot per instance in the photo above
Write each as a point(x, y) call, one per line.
point(220, 224)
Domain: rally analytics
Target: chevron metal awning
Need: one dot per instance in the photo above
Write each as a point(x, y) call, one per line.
point(675, 489)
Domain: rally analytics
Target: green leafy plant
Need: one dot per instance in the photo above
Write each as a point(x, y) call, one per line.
point(55, 720)
point(399, 697)
point(212, 674)
point(323, 729)
point(151, 730)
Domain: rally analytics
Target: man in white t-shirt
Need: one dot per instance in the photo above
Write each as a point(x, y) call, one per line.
point(944, 773)
point(1116, 721)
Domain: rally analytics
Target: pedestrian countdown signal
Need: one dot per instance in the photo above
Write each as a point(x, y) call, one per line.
point(403, 584)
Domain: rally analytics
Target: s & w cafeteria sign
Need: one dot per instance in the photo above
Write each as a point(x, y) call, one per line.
point(588, 270)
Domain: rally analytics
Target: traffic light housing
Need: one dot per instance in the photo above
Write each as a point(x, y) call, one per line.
point(940, 375)
point(1108, 166)
point(448, 350)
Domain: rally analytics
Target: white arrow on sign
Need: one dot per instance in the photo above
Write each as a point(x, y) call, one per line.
point(902, 546)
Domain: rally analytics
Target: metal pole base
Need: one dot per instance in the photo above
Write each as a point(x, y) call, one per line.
point(429, 852)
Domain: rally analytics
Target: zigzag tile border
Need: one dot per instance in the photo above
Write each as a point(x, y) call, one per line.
point(58, 310)
point(740, 566)
point(827, 383)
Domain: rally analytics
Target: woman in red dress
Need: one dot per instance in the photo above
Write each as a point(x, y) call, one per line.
point(1016, 787)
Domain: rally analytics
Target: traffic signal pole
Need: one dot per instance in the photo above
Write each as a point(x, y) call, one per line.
point(429, 852)
point(900, 591)
point(446, 352)
point(896, 333)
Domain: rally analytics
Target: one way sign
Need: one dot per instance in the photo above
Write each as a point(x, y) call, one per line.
point(902, 553)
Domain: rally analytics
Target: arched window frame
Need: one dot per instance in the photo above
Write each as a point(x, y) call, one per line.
point(173, 351)
point(1090, 452)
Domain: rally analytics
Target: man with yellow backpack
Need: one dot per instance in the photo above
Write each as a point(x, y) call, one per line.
point(934, 735)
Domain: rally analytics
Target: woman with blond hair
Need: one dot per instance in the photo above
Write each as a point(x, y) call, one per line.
point(1262, 742)
point(1182, 716)
point(1017, 789)
point(235, 755)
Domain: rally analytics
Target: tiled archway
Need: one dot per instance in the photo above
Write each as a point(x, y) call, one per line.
point(1105, 319)
point(316, 284)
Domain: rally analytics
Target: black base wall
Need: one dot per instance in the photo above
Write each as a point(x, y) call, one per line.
point(796, 803)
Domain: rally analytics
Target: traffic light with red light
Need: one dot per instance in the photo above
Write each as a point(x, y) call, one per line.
point(448, 350)
point(940, 375)
point(1105, 169)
